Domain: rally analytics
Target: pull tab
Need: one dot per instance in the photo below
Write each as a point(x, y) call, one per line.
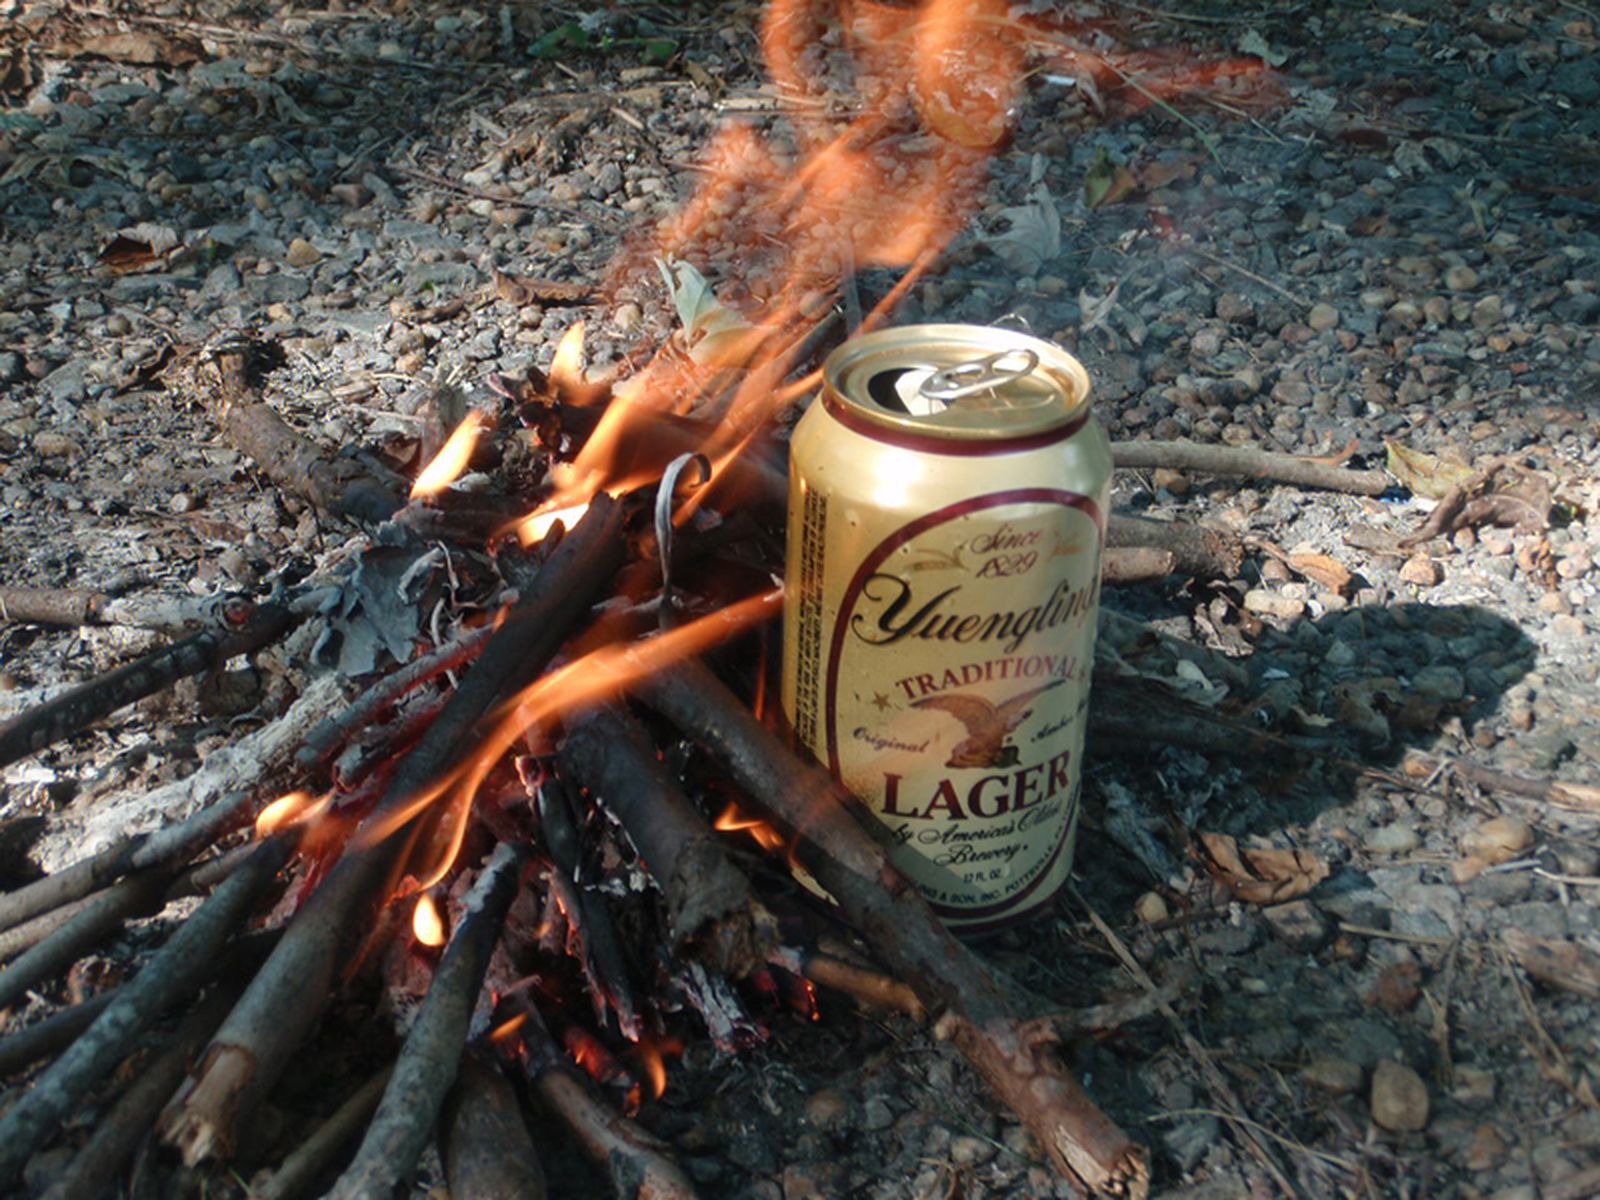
point(979, 375)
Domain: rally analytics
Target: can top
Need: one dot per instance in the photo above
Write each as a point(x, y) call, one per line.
point(957, 383)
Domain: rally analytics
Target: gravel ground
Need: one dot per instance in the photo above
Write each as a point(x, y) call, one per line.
point(1394, 237)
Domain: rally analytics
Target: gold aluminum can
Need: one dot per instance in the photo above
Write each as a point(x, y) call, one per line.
point(947, 499)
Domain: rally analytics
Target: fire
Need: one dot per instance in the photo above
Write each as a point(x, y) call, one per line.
point(733, 821)
point(653, 1054)
point(453, 456)
point(294, 808)
point(566, 367)
point(536, 525)
point(427, 924)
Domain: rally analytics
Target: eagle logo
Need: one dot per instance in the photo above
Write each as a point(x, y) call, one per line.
point(988, 725)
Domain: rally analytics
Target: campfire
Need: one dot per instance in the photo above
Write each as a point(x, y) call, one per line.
point(561, 835)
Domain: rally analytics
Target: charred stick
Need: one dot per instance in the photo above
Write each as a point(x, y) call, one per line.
point(712, 912)
point(93, 1169)
point(174, 614)
point(1018, 1058)
point(1245, 463)
point(487, 1152)
point(55, 1032)
point(635, 1162)
point(299, 1171)
point(426, 1068)
point(278, 1009)
point(1196, 550)
point(74, 711)
point(386, 693)
point(176, 971)
point(51, 606)
point(1136, 564)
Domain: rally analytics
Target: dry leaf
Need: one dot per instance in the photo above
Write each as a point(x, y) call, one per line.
point(1330, 573)
point(534, 289)
point(1261, 876)
point(1569, 965)
point(1163, 171)
point(145, 49)
point(1033, 233)
point(140, 247)
point(1523, 506)
point(1107, 181)
point(1426, 474)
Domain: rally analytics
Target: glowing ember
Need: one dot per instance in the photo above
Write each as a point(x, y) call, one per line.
point(427, 925)
point(295, 808)
point(508, 1028)
point(452, 458)
point(733, 821)
point(533, 528)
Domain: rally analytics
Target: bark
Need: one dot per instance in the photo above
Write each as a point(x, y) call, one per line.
point(1196, 550)
point(1019, 1058)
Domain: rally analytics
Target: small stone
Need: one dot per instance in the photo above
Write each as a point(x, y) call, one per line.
point(55, 445)
point(1399, 1098)
point(1175, 482)
point(1486, 1150)
point(1488, 312)
point(1398, 988)
point(968, 1151)
point(1567, 628)
point(876, 1114)
point(180, 503)
point(1473, 1085)
point(627, 317)
point(302, 253)
point(1498, 840)
point(1151, 908)
point(1553, 604)
point(827, 1109)
point(1336, 1076)
point(1322, 317)
point(1206, 342)
point(1399, 838)
point(1299, 923)
point(1460, 278)
point(1421, 571)
point(1259, 600)
point(1235, 308)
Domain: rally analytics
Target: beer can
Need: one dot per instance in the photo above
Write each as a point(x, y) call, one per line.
point(947, 499)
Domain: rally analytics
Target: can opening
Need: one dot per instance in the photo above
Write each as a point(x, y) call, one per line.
point(905, 390)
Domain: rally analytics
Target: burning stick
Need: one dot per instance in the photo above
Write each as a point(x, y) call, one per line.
point(1018, 1058)
point(1250, 464)
point(486, 1149)
point(427, 1064)
point(635, 1162)
point(50, 722)
point(711, 910)
point(255, 1043)
point(174, 972)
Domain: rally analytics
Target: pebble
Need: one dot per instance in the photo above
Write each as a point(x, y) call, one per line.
point(1151, 907)
point(302, 253)
point(1472, 1085)
point(1399, 838)
point(1272, 604)
point(1422, 571)
point(1460, 278)
point(827, 1109)
point(1399, 1098)
point(1336, 1076)
point(1299, 923)
point(1322, 317)
point(1486, 1150)
point(1498, 840)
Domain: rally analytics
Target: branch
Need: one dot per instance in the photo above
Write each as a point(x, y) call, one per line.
point(299, 1171)
point(1196, 550)
point(487, 1152)
point(1242, 462)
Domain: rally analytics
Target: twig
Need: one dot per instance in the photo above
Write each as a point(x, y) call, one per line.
point(864, 984)
point(1135, 564)
point(92, 1170)
point(426, 1068)
point(43, 1038)
point(506, 199)
point(1278, 288)
point(299, 1171)
point(1196, 549)
point(65, 886)
point(175, 971)
point(1018, 1058)
point(1393, 935)
point(1233, 1111)
point(278, 1009)
point(1249, 464)
point(487, 1152)
point(51, 606)
point(713, 914)
point(326, 738)
point(172, 614)
point(67, 714)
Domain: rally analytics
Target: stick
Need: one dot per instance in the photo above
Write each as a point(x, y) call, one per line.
point(299, 1171)
point(51, 606)
point(1018, 1058)
point(91, 1173)
point(1196, 550)
point(89, 922)
point(70, 713)
point(63, 887)
point(174, 614)
point(487, 1152)
point(278, 1009)
point(44, 1038)
point(1135, 564)
point(426, 1068)
point(174, 972)
point(713, 914)
point(331, 733)
point(864, 984)
point(635, 1162)
point(1246, 463)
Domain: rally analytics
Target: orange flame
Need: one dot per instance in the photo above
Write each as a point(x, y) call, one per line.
point(653, 1053)
point(566, 367)
point(453, 456)
point(733, 821)
point(508, 1028)
point(427, 925)
point(294, 808)
point(536, 525)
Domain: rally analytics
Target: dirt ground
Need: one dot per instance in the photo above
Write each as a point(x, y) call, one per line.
point(1368, 232)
